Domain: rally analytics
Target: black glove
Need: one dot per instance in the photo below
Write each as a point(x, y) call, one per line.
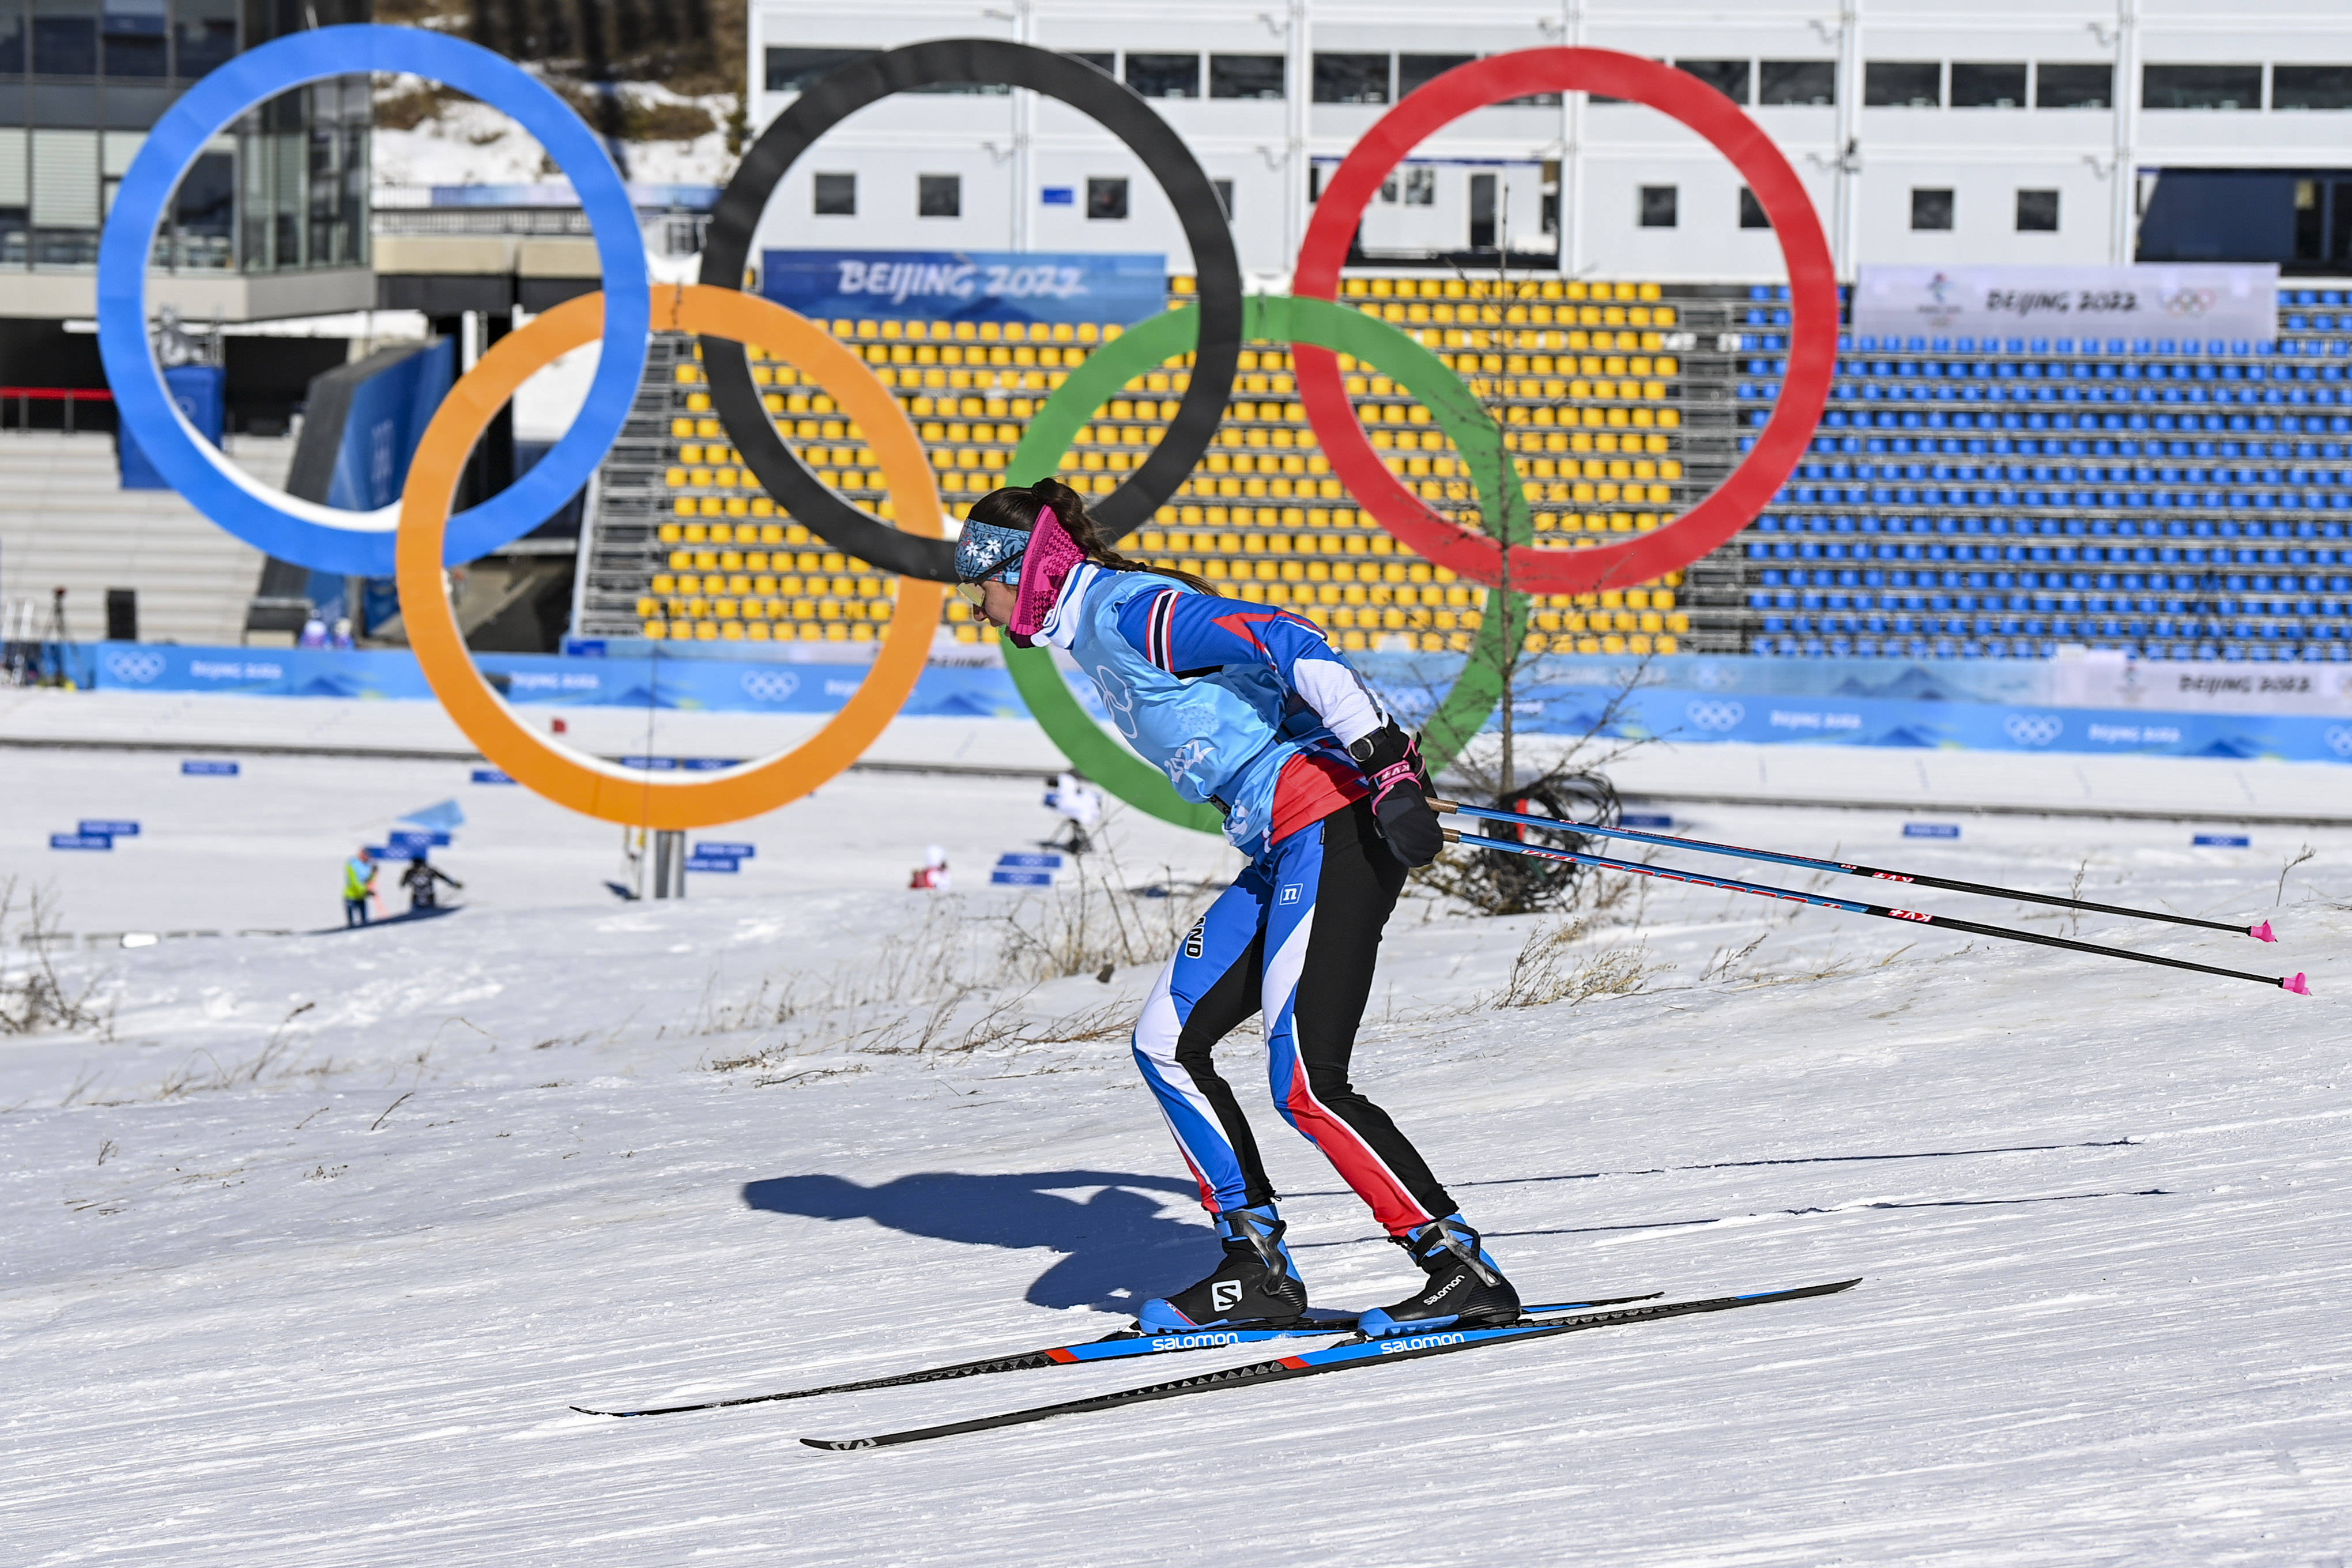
point(1391, 764)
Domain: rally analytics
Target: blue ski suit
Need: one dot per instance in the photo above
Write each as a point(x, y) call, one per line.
point(1250, 708)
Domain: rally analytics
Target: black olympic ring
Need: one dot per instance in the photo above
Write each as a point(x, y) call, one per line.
point(987, 61)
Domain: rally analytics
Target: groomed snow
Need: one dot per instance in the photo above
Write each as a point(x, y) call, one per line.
point(304, 1263)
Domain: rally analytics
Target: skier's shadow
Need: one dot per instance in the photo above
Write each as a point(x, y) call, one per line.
point(1117, 1247)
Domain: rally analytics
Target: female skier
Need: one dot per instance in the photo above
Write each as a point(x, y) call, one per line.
point(1250, 709)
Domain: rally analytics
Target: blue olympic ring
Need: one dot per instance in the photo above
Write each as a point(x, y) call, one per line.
point(304, 533)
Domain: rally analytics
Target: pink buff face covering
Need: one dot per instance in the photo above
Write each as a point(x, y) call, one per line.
point(1047, 565)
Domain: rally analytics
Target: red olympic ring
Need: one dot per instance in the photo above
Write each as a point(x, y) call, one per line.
point(1813, 291)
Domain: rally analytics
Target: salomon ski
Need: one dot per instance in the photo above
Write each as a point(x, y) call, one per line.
point(1114, 1347)
point(1336, 1358)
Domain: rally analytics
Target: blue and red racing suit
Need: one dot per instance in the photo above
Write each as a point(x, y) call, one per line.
point(1251, 706)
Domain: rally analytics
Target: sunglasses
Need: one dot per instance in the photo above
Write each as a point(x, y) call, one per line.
point(972, 593)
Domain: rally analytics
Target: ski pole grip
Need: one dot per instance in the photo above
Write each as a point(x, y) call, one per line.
point(1453, 835)
point(1443, 807)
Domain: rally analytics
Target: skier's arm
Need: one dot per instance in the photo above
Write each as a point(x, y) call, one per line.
point(1189, 633)
point(446, 876)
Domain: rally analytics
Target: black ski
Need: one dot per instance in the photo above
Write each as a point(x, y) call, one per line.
point(1337, 1358)
point(1113, 1347)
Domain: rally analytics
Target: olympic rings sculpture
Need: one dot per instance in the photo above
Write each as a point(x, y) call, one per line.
point(589, 784)
point(987, 62)
point(1500, 554)
point(326, 538)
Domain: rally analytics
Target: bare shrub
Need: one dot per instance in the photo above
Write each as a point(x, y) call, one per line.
point(37, 997)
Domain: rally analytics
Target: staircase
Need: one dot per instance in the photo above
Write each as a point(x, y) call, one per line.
point(65, 522)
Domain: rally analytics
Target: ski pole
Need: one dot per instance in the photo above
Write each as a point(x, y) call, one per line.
point(1807, 862)
point(1916, 917)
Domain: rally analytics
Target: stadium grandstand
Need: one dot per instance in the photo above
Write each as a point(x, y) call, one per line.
point(2174, 499)
point(1585, 378)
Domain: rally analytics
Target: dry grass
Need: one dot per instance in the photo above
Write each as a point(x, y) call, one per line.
point(955, 984)
point(1550, 969)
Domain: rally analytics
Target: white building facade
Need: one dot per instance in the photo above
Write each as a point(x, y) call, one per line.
point(2070, 130)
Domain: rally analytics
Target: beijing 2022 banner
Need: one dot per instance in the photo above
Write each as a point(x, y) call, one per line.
point(2154, 303)
point(967, 285)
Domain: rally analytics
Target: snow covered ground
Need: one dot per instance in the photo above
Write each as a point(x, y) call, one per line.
point(308, 1253)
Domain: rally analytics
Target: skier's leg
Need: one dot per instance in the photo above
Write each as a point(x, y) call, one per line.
point(1335, 883)
point(1209, 986)
point(1318, 980)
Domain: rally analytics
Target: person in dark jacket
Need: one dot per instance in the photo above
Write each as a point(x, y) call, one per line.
point(419, 879)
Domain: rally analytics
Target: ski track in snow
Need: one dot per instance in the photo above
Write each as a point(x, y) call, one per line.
point(332, 1308)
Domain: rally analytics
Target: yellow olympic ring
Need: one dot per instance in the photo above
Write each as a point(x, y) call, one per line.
point(589, 784)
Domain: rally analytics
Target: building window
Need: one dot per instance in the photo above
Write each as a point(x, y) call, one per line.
point(65, 46)
point(2073, 86)
point(1931, 209)
point(1730, 77)
point(1106, 63)
point(1977, 85)
point(837, 195)
point(1417, 71)
point(1903, 84)
point(1164, 76)
point(2037, 212)
point(792, 70)
point(2201, 86)
point(1245, 76)
point(1751, 211)
point(1225, 189)
point(939, 196)
point(203, 35)
point(1106, 198)
point(204, 210)
point(1796, 81)
point(1420, 187)
point(136, 44)
point(2311, 87)
point(1352, 78)
point(1658, 205)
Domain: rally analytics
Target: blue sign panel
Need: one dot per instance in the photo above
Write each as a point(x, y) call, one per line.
point(202, 393)
point(1931, 830)
point(387, 417)
point(81, 841)
point(682, 764)
point(724, 851)
point(1642, 819)
point(1045, 862)
point(197, 768)
point(967, 285)
point(1022, 878)
point(2221, 841)
point(110, 828)
point(491, 776)
point(714, 863)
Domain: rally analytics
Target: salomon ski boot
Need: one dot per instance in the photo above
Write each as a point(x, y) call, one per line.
point(1257, 1284)
point(1464, 1287)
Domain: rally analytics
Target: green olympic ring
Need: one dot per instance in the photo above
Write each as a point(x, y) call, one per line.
point(1270, 318)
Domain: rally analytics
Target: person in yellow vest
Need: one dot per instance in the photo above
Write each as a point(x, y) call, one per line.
point(359, 886)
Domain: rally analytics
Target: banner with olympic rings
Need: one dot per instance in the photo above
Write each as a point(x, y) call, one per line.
point(421, 536)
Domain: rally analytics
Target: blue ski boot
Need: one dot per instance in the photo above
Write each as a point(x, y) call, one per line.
point(1464, 1287)
point(1257, 1284)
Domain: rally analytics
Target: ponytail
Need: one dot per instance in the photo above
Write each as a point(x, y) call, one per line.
point(1018, 509)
